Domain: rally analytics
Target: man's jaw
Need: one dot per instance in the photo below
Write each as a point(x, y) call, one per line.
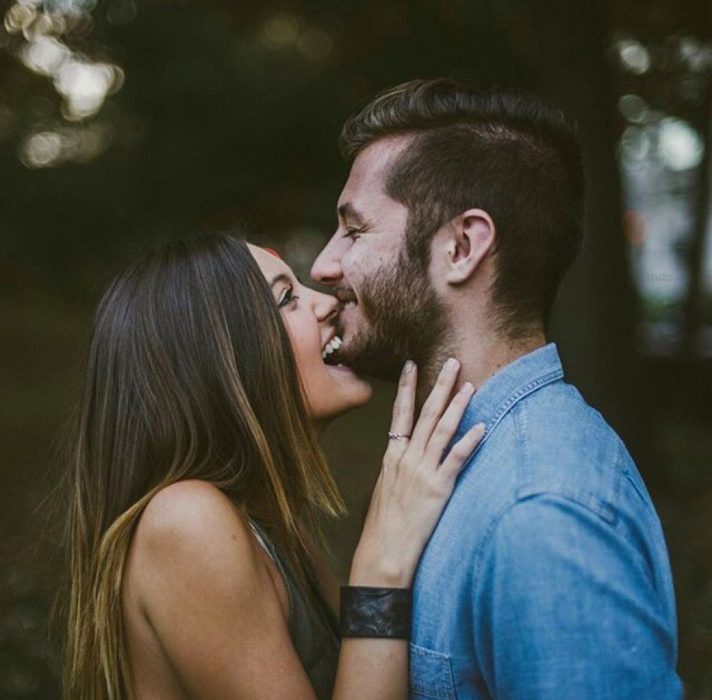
point(379, 351)
point(352, 331)
point(360, 349)
point(363, 351)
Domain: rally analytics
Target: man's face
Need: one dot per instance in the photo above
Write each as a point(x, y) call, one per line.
point(389, 310)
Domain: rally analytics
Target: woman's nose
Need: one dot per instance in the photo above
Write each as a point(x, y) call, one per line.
point(326, 307)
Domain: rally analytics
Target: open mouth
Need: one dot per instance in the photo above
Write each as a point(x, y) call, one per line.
point(330, 351)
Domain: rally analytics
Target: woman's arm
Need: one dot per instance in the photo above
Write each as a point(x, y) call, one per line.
point(214, 608)
point(327, 581)
point(412, 490)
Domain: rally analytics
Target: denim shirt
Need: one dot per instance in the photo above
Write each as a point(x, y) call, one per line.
point(547, 575)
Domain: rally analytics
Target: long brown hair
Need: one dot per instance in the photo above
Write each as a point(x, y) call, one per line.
point(190, 374)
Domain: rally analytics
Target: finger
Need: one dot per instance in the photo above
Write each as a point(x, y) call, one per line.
point(435, 404)
point(462, 450)
point(447, 425)
point(404, 404)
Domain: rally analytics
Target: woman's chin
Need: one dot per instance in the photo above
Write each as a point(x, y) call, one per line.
point(354, 387)
point(339, 372)
point(352, 392)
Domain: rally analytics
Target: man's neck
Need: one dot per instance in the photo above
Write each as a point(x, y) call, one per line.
point(480, 358)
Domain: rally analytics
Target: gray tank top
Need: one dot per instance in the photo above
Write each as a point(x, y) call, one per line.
point(312, 625)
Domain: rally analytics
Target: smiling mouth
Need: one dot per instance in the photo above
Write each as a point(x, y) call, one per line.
point(330, 349)
point(330, 352)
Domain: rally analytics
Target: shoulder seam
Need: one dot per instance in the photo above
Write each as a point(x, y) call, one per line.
point(516, 397)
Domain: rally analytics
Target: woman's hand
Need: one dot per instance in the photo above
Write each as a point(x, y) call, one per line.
point(416, 479)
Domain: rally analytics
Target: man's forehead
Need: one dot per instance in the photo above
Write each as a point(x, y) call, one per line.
point(371, 166)
point(376, 158)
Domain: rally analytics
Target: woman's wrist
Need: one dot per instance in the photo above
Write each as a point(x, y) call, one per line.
point(371, 569)
point(367, 611)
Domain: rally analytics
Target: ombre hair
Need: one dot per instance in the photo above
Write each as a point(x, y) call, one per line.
point(190, 375)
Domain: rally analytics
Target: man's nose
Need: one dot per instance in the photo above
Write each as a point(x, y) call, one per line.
point(327, 266)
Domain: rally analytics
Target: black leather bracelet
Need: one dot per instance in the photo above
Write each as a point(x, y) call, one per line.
point(376, 612)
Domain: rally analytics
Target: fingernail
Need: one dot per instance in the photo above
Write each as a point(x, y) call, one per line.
point(451, 364)
point(481, 426)
point(466, 388)
point(408, 367)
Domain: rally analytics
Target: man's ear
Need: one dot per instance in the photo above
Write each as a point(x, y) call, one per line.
point(468, 238)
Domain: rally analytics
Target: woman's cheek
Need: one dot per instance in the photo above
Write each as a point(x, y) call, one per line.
point(300, 346)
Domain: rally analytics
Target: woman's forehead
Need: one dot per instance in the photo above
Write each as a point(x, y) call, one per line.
point(268, 261)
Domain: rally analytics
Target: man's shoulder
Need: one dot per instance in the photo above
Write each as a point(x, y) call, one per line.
point(564, 443)
point(554, 442)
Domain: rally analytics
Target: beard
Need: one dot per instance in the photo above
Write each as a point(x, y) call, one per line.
point(407, 321)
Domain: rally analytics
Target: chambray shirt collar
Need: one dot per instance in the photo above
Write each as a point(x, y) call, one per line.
point(501, 391)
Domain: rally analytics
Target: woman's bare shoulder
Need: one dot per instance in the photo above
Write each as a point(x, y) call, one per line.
point(200, 593)
point(188, 507)
point(191, 530)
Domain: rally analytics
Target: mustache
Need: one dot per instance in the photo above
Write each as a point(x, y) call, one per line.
point(344, 294)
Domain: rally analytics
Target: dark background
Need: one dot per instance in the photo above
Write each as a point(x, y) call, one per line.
point(122, 123)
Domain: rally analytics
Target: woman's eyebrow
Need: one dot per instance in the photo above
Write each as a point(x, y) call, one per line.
point(281, 277)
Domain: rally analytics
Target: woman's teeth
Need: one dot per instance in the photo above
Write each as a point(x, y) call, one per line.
point(349, 304)
point(332, 346)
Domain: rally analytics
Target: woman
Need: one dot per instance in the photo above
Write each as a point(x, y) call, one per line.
point(197, 485)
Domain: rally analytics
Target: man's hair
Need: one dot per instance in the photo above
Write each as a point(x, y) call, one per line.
point(506, 153)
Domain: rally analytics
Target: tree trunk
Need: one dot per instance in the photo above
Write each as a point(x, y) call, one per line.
point(562, 43)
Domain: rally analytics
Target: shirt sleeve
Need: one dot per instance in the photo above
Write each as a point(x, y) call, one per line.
point(566, 607)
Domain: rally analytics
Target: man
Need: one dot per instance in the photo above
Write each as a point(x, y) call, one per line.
point(548, 575)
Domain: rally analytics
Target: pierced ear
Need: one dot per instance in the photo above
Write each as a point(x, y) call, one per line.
point(471, 236)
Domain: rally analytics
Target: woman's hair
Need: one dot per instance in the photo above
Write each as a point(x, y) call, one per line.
point(190, 375)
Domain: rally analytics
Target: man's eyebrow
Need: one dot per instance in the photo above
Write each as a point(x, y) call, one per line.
point(348, 211)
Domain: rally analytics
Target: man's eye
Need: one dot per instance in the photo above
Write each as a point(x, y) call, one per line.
point(287, 297)
point(353, 233)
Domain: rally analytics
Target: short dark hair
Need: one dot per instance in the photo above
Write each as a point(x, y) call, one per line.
point(505, 152)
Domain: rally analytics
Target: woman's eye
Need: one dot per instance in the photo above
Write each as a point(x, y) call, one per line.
point(287, 297)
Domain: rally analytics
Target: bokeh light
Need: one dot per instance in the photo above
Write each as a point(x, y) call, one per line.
point(85, 86)
point(634, 108)
point(64, 145)
point(634, 57)
point(280, 30)
point(82, 83)
point(681, 147)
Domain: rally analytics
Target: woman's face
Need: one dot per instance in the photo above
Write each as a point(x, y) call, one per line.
point(310, 318)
